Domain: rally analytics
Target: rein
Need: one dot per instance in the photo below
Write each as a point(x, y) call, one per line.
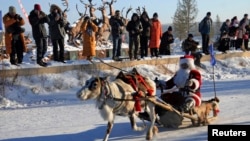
point(109, 64)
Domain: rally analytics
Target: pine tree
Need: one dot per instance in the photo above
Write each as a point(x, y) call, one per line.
point(184, 18)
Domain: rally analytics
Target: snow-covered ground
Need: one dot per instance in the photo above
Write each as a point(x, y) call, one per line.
point(45, 107)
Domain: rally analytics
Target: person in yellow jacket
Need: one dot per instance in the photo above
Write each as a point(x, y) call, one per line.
point(14, 36)
point(89, 30)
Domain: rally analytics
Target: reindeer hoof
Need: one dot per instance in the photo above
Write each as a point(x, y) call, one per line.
point(148, 138)
point(155, 130)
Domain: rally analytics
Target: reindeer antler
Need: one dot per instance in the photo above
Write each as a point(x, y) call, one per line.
point(65, 3)
point(129, 9)
point(86, 7)
point(122, 11)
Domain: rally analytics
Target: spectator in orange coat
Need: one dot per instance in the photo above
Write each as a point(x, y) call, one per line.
point(89, 30)
point(14, 36)
point(155, 35)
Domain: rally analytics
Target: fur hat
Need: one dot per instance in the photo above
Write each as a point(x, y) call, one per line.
point(37, 7)
point(12, 9)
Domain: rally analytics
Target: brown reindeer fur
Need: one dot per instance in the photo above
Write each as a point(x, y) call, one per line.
point(204, 110)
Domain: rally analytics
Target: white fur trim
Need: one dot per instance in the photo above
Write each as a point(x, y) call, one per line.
point(187, 60)
point(195, 83)
point(170, 90)
point(190, 98)
point(194, 96)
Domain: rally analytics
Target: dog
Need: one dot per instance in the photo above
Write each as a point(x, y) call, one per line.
point(116, 98)
point(204, 110)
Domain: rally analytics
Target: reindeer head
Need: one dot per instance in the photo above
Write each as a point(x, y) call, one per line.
point(91, 89)
point(216, 109)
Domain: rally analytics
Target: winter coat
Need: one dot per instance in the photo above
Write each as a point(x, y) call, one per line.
point(242, 27)
point(224, 28)
point(189, 46)
point(56, 28)
point(155, 34)
point(205, 26)
point(194, 89)
point(89, 38)
point(166, 40)
point(116, 24)
point(134, 28)
point(9, 21)
point(37, 24)
point(145, 26)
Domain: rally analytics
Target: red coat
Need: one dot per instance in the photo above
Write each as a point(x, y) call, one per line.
point(155, 34)
point(194, 89)
point(194, 93)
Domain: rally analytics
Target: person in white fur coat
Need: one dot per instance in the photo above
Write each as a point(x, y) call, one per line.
point(183, 89)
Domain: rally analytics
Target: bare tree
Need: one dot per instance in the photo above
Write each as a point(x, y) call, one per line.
point(217, 26)
point(184, 17)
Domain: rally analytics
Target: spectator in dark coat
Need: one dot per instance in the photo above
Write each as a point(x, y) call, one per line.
point(189, 46)
point(246, 38)
point(242, 30)
point(117, 27)
point(134, 29)
point(225, 27)
point(166, 39)
point(224, 42)
point(37, 19)
point(57, 32)
point(144, 38)
point(205, 27)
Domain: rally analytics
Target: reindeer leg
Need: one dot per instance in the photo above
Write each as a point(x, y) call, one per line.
point(192, 112)
point(152, 129)
point(109, 128)
point(133, 123)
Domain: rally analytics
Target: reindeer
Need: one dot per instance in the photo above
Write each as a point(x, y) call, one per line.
point(111, 8)
point(75, 32)
point(125, 19)
point(64, 14)
point(65, 3)
point(104, 31)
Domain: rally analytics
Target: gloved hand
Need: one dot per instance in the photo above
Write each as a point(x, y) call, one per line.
point(189, 83)
point(18, 17)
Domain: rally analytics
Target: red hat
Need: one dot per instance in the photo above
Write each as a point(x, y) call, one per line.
point(37, 7)
point(188, 59)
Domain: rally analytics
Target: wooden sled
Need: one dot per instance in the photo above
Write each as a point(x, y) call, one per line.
point(169, 116)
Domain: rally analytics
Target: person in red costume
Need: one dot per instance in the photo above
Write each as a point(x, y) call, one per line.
point(183, 89)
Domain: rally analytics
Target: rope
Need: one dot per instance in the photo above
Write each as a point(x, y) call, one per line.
point(214, 83)
point(109, 64)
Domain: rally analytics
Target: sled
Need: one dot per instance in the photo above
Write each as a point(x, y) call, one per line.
point(170, 116)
